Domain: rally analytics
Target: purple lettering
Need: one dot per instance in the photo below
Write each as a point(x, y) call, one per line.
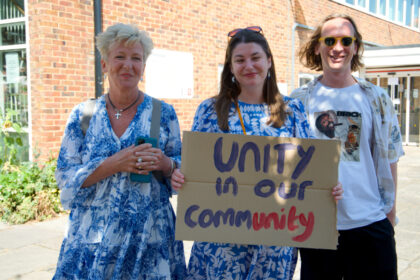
point(217, 156)
point(266, 158)
point(302, 187)
point(258, 189)
point(229, 214)
point(229, 181)
point(243, 216)
point(281, 150)
point(245, 148)
point(202, 218)
point(219, 186)
point(305, 159)
point(282, 191)
point(187, 219)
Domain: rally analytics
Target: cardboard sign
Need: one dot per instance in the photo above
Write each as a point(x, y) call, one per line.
point(258, 190)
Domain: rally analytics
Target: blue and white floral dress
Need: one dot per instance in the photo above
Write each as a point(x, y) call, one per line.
point(246, 262)
point(118, 229)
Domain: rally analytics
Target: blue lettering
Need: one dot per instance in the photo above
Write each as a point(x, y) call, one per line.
point(281, 150)
point(258, 189)
point(303, 163)
point(187, 219)
point(249, 146)
point(217, 156)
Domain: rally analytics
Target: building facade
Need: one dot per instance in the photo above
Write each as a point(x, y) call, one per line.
point(48, 58)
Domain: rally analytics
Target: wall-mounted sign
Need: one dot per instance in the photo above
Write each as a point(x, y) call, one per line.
point(392, 81)
point(416, 93)
point(170, 74)
point(12, 67)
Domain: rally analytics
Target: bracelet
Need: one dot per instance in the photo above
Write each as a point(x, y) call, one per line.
point(173, 166)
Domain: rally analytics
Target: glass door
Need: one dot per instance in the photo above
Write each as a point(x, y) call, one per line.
point(414, 134)
point(404, 91)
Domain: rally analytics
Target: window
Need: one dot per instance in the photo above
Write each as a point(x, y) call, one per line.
point(403, 12)
point(409, 9)
point(362, 3)
point(372, 6)
point(392, 10)
point(13, 74)
point(400, 10)
point(382, 7)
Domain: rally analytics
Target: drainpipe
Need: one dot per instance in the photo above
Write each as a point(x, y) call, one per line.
point(296, 25)
point(97, 14)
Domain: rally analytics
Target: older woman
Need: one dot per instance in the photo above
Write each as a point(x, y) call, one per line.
point(250, 103)
point(119, 228)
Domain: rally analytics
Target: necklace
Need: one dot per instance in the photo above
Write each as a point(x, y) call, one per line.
point(240, 117)
point(118, 113)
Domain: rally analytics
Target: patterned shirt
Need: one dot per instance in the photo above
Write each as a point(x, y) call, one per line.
point(387, 143)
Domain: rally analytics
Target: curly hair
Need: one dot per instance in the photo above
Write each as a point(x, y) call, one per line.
point(310, 59)
point(229, 91)
point(127, 33)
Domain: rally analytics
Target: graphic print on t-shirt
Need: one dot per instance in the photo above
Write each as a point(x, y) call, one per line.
point(342, 125)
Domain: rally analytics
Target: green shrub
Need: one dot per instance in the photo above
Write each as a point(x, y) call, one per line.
point(28, 192)
point(10, 138)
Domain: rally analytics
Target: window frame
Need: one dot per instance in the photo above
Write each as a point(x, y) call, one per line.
point(387, 16)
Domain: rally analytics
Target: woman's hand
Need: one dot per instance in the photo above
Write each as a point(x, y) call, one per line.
point(125, 160)
point(338, 192)
point(153, 159)
point(133, 159)
point(177, 180)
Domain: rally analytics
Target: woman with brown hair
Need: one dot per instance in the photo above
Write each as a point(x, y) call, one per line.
point(249, 102)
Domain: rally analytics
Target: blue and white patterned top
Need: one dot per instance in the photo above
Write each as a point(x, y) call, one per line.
point(246, 262)
point(118, 229)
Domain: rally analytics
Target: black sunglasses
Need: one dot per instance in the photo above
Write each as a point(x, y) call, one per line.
point(256, 29)
point(346, 41)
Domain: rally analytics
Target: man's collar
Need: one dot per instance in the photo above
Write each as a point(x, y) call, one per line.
point(362, 82)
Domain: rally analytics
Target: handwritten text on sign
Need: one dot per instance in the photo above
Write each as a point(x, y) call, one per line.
point(258, 190)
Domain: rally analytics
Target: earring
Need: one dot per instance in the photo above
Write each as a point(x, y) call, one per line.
point(233, 79)
point(141, 78)
point(269, 75)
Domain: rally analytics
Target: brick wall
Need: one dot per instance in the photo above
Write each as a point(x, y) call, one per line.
point(62, 56)
point(62, 66)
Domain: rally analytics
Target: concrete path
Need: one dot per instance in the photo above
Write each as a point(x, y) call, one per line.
point(30, 251)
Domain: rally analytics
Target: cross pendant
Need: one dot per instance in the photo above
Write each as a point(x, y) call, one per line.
point(118, 115)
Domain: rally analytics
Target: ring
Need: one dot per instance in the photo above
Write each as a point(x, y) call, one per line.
point(139, 159)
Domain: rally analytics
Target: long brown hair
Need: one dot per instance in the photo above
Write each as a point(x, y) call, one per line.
point(310, 59)
point(229, 90)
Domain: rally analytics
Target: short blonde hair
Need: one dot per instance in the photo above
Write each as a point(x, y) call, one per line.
point(123, 33)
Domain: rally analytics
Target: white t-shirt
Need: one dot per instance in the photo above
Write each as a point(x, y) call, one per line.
point(344, 114)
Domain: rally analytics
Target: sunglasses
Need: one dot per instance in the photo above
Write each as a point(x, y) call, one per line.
point(256, 29)
point(346, 41)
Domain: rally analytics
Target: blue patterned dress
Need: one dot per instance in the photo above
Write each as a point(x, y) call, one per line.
point(118, 229)
point(246, 262)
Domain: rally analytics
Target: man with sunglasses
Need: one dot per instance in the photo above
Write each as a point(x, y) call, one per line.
point(368, 171)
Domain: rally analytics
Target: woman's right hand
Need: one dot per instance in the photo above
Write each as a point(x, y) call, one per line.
point(127, 160)
point(177, 179)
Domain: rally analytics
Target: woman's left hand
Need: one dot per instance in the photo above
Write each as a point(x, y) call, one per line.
point(153, 159)
point(338, 192)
